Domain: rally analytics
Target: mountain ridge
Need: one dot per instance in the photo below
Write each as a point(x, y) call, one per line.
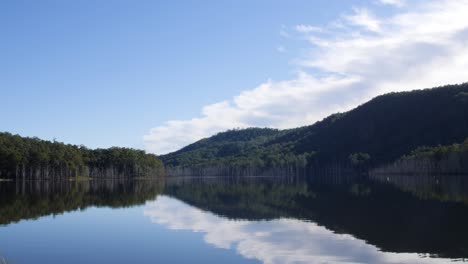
point(384, 128)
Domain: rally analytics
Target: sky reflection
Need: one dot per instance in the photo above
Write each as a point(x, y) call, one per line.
point(275, 241)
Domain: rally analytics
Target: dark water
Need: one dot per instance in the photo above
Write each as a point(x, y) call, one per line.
point(400, 219)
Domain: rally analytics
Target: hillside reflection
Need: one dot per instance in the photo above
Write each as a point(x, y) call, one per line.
point(281, 240)
point(393, 220)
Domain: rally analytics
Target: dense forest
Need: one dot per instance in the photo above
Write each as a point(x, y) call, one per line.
point(451, 159)
point(236, 146)
point(32, 158)
point(237, 152)
point(374, 134)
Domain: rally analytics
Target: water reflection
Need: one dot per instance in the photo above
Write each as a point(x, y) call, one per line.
point(381, 214)
point(440, 187)
point(274, 241)
point(33, 199)
point(399, 219)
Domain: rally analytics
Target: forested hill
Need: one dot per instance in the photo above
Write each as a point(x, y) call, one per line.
point(32, 158)
point(377, 132)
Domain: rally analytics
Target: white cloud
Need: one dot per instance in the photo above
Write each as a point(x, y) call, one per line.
point(307, 28)
point(364, 18)
point(423, 48)
point(418, 47)
point(275, 241)
point(397, 3)
point(267, 105)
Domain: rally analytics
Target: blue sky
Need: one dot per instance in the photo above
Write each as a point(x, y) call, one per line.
point(160, 74)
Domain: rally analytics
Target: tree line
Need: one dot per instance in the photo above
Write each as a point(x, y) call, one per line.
point(31, 158)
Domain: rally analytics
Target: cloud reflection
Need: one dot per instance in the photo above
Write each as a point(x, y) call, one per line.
point(275, 241)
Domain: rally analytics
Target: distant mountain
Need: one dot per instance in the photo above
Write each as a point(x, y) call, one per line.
point(375, 133)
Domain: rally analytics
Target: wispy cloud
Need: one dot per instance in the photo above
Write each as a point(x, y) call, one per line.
point(307, 28)
point(366, 55)
point(284, 32)
point(398, 3)
point(364, 18)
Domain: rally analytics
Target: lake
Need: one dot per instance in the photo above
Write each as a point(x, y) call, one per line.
point(398, 219)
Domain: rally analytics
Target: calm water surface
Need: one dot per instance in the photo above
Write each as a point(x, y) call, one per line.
point(402, 219)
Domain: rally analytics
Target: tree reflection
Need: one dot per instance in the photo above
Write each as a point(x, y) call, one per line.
point(33, 199)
